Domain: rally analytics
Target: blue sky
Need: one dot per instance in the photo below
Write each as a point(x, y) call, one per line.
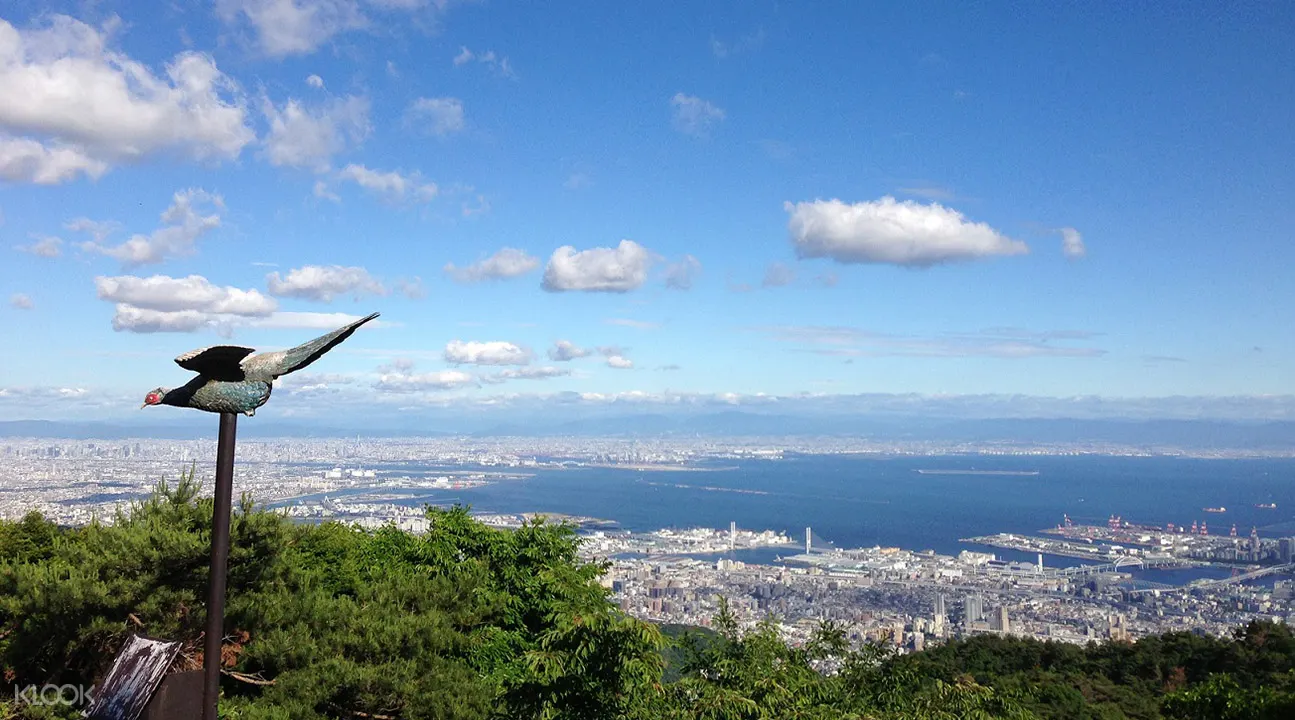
point(833, 199)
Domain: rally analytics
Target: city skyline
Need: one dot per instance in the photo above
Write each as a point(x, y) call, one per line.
point(957, 212)
point(683, 521)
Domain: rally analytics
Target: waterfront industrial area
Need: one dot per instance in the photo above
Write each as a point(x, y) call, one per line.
point(677, 575)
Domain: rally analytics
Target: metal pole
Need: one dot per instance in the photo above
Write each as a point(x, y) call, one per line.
point(219, 560)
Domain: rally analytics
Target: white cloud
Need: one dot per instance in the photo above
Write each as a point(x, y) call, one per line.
point(496, 352)
point(437, 115)
point(904, 233)
point(69, 403)
point(86, 106)
point(400, 366)
point(402, 382)
point(420, 399)
point(182, 225)
point(482, 207)
point(98, 229)
point(307, 321)
point(694, 116)
point(21, 302)
point(536, 373)
point(195, 293)
point(616, 357)
point(322, 283)
point(323, 192)
point(618, 269)
point(680, 275)
point(497, 63)
point(46, 246)
point(1072, 243)
point(399, 377)
point(132, 319)
point(315, 81)
point(129, 318)
point(565, 351)
point(292, 27)
point(308, 138)
point(507, 263)
point(308, 380)
point(412, 289)
point(392, 186)
point(23, 160)
point(778, 275)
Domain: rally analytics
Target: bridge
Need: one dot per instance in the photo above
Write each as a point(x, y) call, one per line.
point(815, 543)
point(1119, 564)
point(1123, 563)
point(1233, 580)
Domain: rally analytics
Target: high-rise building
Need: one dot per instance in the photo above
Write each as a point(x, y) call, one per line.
point(1286, 549)
point(1001, 621)
point(1117, 628)
point(973, 608)
point(940, 610)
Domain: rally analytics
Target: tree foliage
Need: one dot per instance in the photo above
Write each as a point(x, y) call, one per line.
point(466, 622)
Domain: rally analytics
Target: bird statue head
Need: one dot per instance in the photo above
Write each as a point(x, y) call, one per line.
point(154, 397)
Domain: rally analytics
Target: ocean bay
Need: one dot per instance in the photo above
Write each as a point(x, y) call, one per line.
point(868, 500)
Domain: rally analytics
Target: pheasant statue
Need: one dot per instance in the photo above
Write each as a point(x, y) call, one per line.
point(233, 380)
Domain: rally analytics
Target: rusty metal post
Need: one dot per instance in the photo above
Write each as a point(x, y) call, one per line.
point(219, 561)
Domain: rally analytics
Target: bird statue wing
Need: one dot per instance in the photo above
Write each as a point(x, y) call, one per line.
point(220, 362)
point(272, 365)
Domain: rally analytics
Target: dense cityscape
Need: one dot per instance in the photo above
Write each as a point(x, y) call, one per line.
point(459, 360)
point(677, 575)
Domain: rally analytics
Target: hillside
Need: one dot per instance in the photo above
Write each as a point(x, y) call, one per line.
point(470, 622)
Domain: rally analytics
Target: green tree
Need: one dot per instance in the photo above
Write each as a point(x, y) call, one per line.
point(468, 622)
point(329, 620)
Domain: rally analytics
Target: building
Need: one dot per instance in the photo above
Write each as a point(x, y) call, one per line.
point(1286, 549)
point(1117, 628)
point(1001, 622)
point(973, 609)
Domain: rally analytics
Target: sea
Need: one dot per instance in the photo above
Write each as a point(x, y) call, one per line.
point(853, 501)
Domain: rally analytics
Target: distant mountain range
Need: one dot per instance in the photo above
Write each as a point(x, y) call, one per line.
point(1186, 434)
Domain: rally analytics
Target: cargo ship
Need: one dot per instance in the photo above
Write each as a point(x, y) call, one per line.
point(1215, 509)
point(1266, 506)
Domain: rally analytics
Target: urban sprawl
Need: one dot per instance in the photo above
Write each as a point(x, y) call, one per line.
point(882, 594)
